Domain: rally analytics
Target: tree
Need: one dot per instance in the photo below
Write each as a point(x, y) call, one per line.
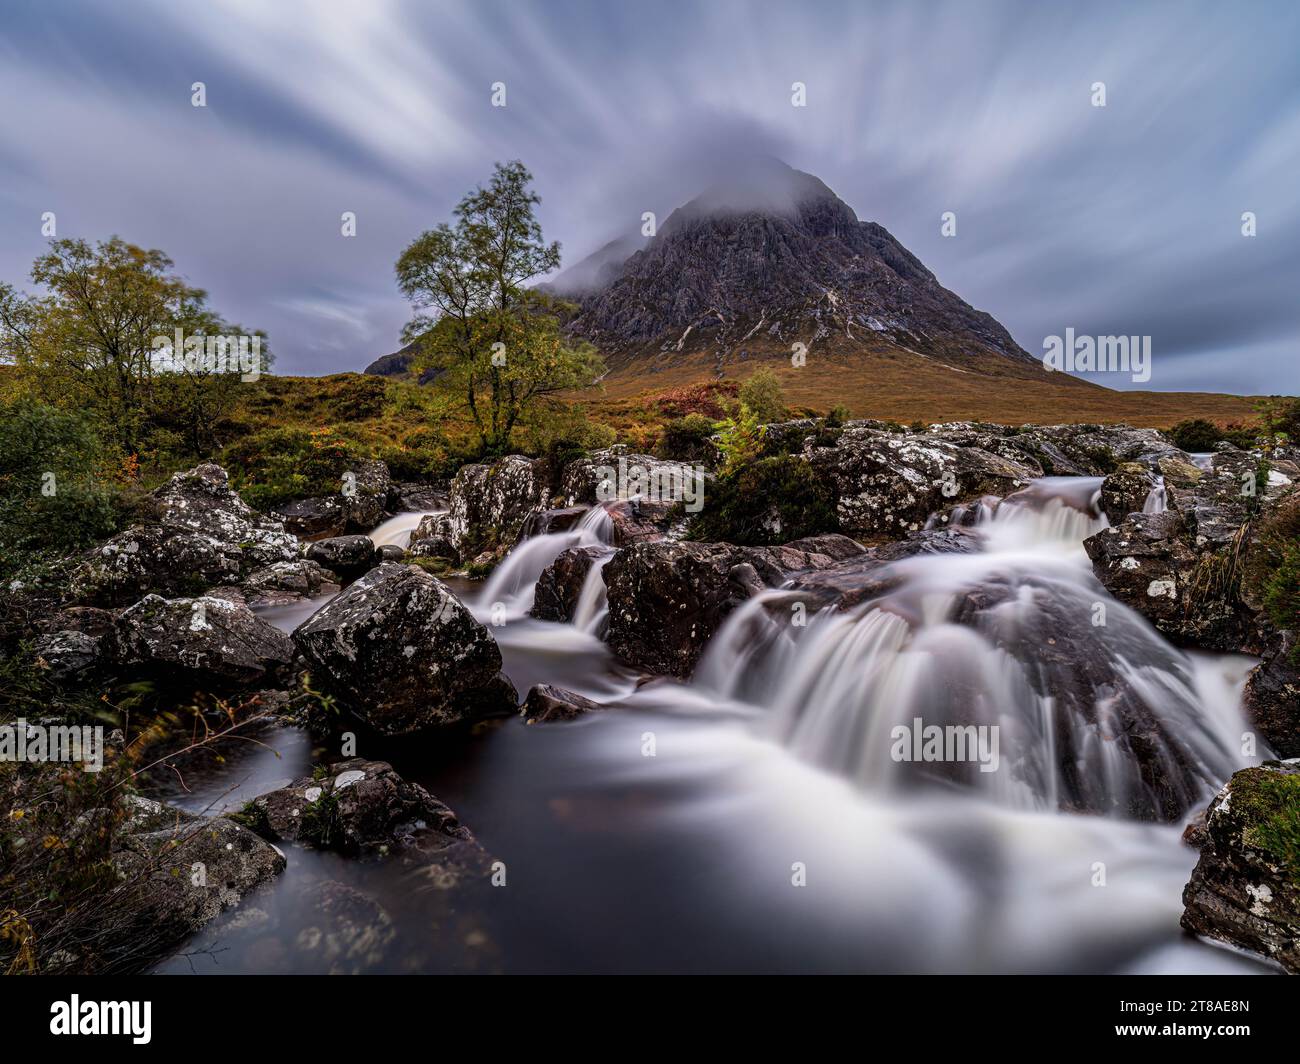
point(496, 343)
point(762, 394)
point(92, 342)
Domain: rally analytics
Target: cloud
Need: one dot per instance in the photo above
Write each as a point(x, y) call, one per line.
point(1117, 219)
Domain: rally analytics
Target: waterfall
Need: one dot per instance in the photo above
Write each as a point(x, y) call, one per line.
point(512, 585)
point(397, 530)
point(1155, 500)
point(1089, 707)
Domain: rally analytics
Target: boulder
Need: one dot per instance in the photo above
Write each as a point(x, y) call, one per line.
point(546, 703)
point(1272, 696)
point(69, 655)
point(544, 522)
point(489, 504)
point(390, 552)
point(206, 638)
point(666, 600)
point(888, 483)
point(1245, 889)
point(349, 556)
point(418, 497)
point(180, 872)
point(204, 535)
point(404, 653)
point(1126, 491)
point(364, 498)
point(560, 585)
point(642, 521)
point(315, 518)
point(289, 581)
point(358, 807)
point(587, 480)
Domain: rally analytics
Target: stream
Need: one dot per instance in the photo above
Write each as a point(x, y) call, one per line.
point(667, 834)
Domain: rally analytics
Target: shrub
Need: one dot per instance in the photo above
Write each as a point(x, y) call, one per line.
point(770, 501)
point(711, 398)
point(687, 439)
point(838, 416)
point(53, 500)
point(762, 394)
point(274, 466)
point(1198, 435)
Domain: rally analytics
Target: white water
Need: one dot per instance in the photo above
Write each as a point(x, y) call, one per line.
point(1155, 500)
point(772, 759)
point(397, 530)
point(511, 587)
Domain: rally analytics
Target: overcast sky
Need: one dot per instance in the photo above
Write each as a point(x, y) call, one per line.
point(1123, 219)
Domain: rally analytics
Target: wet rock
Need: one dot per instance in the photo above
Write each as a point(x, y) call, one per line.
point(288, 581)
point(204, 535)
point(1245, 889)
point(1126, 491)
point(560, 585)
point(404, 653)
point(358, 807)
point(546, 703)
point(1272, 696)
point(887, 483)
point(205, 638)
point(418, 497)
point(642, 521)
point(666, 600)
point(183, 871)
point(488, 504)
point(542, 522)
point(390, 552)
point(349, 556)
point(367, 485)
point(316, 518)
point(343, 930)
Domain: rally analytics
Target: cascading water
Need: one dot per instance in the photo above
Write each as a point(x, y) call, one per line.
point(1015, 643)
point(1155, 500)
point(511, 587)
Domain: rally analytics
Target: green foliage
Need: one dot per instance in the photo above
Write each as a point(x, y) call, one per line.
point(740, 441)
point(762, 395)
point(52, 500)
point(769, 501)
point(498, 343)
point(276, 465)
point(838, 415)
point(1198, 435)
point(687, 439)
point(100, 339)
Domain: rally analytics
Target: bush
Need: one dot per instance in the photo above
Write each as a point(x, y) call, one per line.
point(52, 498)
point(1198, 435)
point(762, 394)
point(712, 399)
point(687, 439)
point(773, 500)
point(275, 466)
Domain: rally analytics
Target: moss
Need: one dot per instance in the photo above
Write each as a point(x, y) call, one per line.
point(253, 817)
point(1268, 804)
point(321, 825)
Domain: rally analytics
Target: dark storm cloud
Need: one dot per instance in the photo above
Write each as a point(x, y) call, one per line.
point(1123, 219)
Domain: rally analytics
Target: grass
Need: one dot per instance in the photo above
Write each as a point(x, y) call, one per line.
point(1268, 803)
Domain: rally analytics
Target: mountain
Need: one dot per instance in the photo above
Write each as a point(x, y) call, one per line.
point(599, 269)
point(771, 258)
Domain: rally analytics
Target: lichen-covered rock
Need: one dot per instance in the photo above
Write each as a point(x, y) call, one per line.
point(184, 870)
point(389, 552)
point(544, 522)
point(666, 600)
point(889, 483)
point(348, 556)
point(358, 807)
point(1127, 490)
point(288, 581)
point(204, 535)
point(489, 504)
point(546, 703)
point(588, 480)
point(404, 653)
point(1272, 696)
point(315, 518)
point(68, 655)
point(206, 638)
point(1245, 889)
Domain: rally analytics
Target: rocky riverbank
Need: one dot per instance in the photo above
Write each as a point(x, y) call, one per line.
point(391, 649)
